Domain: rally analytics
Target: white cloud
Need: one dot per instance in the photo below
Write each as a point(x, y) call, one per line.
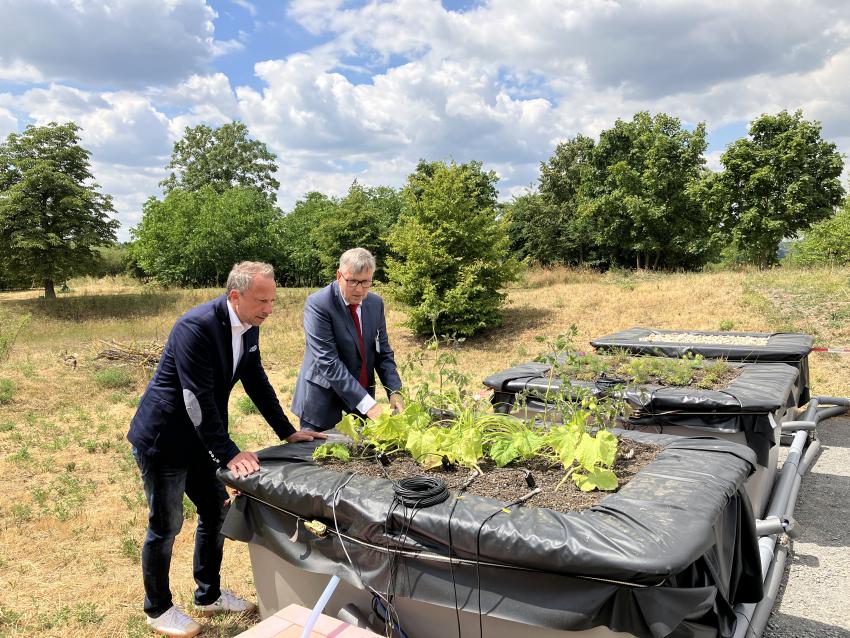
point(8, 123)
point(117, 43)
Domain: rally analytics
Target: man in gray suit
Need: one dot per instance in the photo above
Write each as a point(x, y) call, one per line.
point(347, 345)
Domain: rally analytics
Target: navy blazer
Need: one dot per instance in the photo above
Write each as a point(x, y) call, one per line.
point(185, 404)
point(328, 382)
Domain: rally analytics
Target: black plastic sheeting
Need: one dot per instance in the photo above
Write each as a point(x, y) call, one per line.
point(744, 406)
point(782, 347)
point(668, 555)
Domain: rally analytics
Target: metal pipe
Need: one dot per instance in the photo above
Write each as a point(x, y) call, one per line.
point(825, 413)
point(809, 458)
point(771, 525)
point(763, 608)
point(746, 611)
point(793, 426)
point(811, 409)
point(831, 401)
point(779, 498)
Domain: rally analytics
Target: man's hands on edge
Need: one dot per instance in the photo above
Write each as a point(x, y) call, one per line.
point(305, 435)
point(375, 411)
point(244, 464)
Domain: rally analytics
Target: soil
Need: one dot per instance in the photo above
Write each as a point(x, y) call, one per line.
point(508, 483)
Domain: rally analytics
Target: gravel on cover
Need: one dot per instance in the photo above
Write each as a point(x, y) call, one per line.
point(689, 337)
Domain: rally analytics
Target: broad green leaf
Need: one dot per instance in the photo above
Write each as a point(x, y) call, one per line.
point(607, 445)
point(335, 450)
point(587, 452)
point(350, 426)
point(424, 446)
point(598, 479)
point(564, 439)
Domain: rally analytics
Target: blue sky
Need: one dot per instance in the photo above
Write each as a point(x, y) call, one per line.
point(362, 90)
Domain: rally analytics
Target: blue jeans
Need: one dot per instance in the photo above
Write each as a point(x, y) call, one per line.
point(165, 483)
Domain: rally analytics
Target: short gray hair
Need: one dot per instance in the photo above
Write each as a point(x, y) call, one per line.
point(357, 260)
point(242, 275)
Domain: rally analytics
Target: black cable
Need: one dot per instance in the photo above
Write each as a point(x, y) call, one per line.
point(462, 489)
point(420, 491)
point(519, 501)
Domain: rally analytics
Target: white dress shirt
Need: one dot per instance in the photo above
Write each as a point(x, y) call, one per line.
point(238, 328)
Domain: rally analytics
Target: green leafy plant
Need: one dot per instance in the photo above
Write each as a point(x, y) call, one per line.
point(114, 378)
point(246, 405)
point(465, 431)
point(7, 390)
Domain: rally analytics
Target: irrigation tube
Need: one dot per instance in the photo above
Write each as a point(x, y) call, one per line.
point(320, 606)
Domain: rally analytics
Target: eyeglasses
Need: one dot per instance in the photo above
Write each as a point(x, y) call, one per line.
point(363, 283)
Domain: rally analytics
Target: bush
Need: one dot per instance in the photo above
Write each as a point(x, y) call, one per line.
point(246, 405)
point(825, 242)
point(113, 378)
point(7, 390)
point(453, 252)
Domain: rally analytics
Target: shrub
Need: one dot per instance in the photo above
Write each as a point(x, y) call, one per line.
point(825, 242)
point(246, 405)
point(114, 378)
point(453, 253)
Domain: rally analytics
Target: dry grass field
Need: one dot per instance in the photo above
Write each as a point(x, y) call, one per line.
point(73, 518)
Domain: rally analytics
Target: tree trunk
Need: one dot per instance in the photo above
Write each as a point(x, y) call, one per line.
point(49, 292)
point(657, 258)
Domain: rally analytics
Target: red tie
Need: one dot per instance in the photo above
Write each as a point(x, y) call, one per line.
point(364, 376)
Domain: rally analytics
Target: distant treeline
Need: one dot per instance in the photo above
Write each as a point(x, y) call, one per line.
point(638, 196)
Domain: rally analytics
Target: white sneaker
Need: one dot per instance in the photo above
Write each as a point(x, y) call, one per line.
point(227, 602)
point(175, 623)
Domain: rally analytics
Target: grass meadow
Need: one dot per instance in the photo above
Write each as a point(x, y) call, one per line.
point(73, 518)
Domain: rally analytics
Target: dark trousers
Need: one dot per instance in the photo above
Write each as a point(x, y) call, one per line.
point(165, 482)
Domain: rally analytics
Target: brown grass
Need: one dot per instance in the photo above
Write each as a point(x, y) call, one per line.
point(73, 517)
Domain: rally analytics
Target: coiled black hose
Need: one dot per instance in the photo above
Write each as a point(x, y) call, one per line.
point(420, 491)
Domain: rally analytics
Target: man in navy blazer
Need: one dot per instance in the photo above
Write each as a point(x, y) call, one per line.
point(180, 438)
point(347, 345)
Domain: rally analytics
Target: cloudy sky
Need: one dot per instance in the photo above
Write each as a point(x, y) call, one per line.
point(362, 90)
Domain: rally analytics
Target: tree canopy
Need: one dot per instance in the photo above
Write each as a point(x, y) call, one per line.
point(776, 182)
point(52, 217)
point(193, 238)
point(221, 158)
point(450, 255)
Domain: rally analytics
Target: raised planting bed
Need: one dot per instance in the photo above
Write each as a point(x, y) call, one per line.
point(669, 554)
point(752, 347)
point(747, 410)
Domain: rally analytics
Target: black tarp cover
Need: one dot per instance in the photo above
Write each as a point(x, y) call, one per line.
point(670, 554)
point(743, 406)
point(782, 347)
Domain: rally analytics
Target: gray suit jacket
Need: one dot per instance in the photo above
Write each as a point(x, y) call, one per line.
point(328, 382)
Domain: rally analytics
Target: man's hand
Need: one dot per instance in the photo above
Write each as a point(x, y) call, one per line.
point(396, 402)
point(305, 435)
point(244, 464)
point(375, 411)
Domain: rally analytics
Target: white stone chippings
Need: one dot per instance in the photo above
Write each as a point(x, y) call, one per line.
point(689, 337)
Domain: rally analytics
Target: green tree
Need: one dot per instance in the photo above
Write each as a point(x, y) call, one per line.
point(777, 182)
point(221, 158)
point(296, 230)
point(193, 238)
point(558, 229)
point(827, 242)
point(451, 252)
point(638, 200)
point(362, 218)
point(52, 217)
